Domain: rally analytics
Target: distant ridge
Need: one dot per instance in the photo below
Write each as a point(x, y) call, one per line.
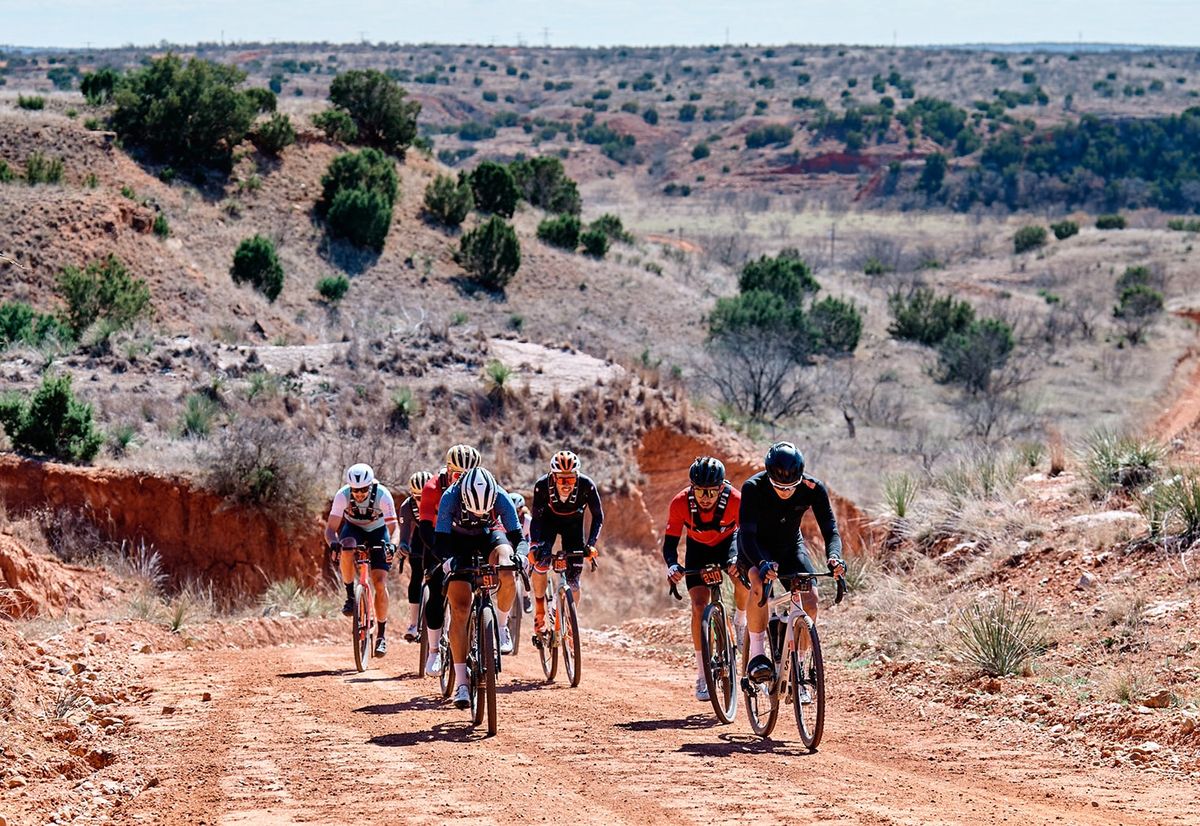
point(1056, 47)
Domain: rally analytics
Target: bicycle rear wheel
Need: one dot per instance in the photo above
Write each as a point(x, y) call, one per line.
point(361, 633)
point(808, 671)
point(716, 650)
point(762, 699)
point(570, 637)
point(548, 650)
point(422, 631)
point(489, 654)
point(446, 677)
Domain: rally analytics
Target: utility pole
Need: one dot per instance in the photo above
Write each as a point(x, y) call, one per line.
point(546, 37)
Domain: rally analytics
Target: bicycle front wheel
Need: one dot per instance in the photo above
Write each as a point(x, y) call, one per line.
point(361, 632)
point(548, 643)
point(762, 699)
point(446, 677)
point(570, 636)
point(488, 654)
point(475, 666)
point(808, 683)
point(514, 618)
point(716, 650)
point(422, 632)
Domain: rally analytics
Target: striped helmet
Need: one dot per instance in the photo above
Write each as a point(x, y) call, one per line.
point(564, 462)
point(478, 488)
point(417, 482)
point(461, 458)
point(359, 476)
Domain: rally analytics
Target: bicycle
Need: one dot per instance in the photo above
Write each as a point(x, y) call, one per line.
point(796, 672)
point(562, 623)
point(717, 647)
point(422, 628)
point(363, 628)
point(483, 640)
point(515, 615)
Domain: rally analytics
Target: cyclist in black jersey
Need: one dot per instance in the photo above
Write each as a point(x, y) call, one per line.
point(560, 500)
point(770, 544)
point(412, 545)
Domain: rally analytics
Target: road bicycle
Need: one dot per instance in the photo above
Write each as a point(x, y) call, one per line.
point(717, 647)
point(799, 675)
point(483, 639)
point(363, 626)
point(519, 609)
point(422, 628)
point(561, 630)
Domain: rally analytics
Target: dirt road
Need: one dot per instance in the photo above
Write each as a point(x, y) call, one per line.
point(290, 735)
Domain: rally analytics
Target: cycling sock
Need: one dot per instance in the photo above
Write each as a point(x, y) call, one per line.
point(539, 607)
point(502, 617)
point(699, 663)
point(758, 643)
point(414, 607)
point(349, 590)
point(460, 673)
point(382, 628)
point(435, 639)
point(739, 618)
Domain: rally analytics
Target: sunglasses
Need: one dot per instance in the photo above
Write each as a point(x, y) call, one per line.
point(565, 478)
point(781, 486)
point(706, 493)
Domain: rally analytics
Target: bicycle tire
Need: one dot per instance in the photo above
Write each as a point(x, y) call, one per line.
point(361, 630)
point(717, 653)
point(422, 632)
point(514, 618)
point(475, 666)
point(810, 718)
point(548, 650)
point(762, 700)
point(489, 654)
point(446, 678)
point(570, 638)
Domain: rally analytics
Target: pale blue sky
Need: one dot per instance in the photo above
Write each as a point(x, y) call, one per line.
point(74, 23)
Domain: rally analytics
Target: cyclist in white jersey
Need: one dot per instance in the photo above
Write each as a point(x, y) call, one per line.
point(364, 513)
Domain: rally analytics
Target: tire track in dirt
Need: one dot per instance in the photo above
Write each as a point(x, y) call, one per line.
point(292, 736)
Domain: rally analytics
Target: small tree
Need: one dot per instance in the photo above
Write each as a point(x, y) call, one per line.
point(256, 262)
point(98, 86)
point(1029, 238)
point(970, 357)
point(1138, 308)
point(1110, 222)
point(933, 174)
point(561, 231)
point(337, 125)
point(786, 275)
point(595, 243)
point(360, 216)
point(836, 326)
point(51, 422)
point(495, 189)
point(103, 291)
point(273, 135)
point(378, 106)
point(612, 226)
point(544, 184)
point(264, 99)
point(358, 191)
point(20, 323)
point(448, 200)
point(923, 317)
point(491, 253)
point(1064, 229)
point(333, 288)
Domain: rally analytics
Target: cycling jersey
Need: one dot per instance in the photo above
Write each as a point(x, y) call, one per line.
point(431, 497)
point(379, 509)
point(562, 515)
point(454, 522)
point(769, 528)
point(410, 534)
point(711, 527)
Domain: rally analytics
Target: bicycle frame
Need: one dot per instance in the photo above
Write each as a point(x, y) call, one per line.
point(562, 625)
point(718, 649)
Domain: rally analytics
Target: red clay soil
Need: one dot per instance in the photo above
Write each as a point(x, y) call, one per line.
point(32, 584)
point(198, 534)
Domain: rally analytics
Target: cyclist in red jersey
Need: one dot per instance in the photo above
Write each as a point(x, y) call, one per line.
point(708, 508)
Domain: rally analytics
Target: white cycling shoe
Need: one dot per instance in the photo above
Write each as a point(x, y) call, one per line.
point(506, 645)
point(411, 634)
point(804, 694)
point(433, 664)
point(462, 697)
point(702, 690)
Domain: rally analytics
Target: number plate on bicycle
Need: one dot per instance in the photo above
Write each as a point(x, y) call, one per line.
point(489, 580)
point(712, 576)
point(560, 563)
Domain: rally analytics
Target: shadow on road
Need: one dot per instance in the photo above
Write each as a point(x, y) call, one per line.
point(692, 721)
point(421, 703)
point(461, 732)
point(299, 675)
point(743, 744)
point(383, 678)
point(514, 686)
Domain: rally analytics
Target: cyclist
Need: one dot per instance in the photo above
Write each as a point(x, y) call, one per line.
point(708, 508)
point(770, 544)
point(476, 514)
point(459, 459)
point(560, 499)
point(413, 547)
point(364, 513)
point(518, 500)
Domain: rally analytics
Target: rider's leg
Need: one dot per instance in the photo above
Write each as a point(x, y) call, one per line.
point(379, 580)
point(541, 565)
point(503, 555)
point(459, 594)
point(756, 615)
point(699, 595)
point(416, 567)
point(434, 609)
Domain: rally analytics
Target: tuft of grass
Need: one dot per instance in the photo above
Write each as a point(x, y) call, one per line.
point(198, 414)
point(162, 228)
point(1001, 638)
point(1128, 688)
point(121, 438)
point(497, 376)
point(404, 408)
point(42, 170)
point(899, 493)
point(981, 476)
point(1120, 463)
point(288, 595)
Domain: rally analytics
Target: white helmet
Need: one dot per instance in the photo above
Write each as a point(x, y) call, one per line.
point(564, 462)
point(478, 491)
point(360, 475)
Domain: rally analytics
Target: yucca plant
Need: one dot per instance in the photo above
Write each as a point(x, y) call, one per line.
point(899, 493)
point(1001, 637)
point(1115, 462)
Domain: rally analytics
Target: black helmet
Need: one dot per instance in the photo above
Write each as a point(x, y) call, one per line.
point(785, 464)
point(707, 472)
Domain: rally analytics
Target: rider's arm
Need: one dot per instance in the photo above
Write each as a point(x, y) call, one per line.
point(748, 516)
point(407, 518)
point(823, 512)
point(677, 514)
point(511, 522)
point(334, 524)
point(445, 522)
point(537, 511)
point(597, 510)
point(390, 521)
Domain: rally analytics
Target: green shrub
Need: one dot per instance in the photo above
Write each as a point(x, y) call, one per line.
point(32, 103)
point(6, 173)
point(650, 116)
point(42, 170)
point(196, 421)
point(264, 464)
point(264, 99)
point(1110, 222)
point(687, 112)
point(51, 422)
point(775, 134)
point(491, 253)
point(378, 106)
point(273, 135)
point(1183, 225)
point(103, 291)
point(544, 183)
point(785, 275)
point(190, 115)
point(1064, 229)
point(161, 227)
point(256, 262)
point(595, 243)
point(449, 200)
point(612, 226)
point(923, 317)
point(495, 189)
point(700, 151)
point(360, 217)
point(1136, 276)
point(836, 326)
point(874, 266)
point(98, 86)
point(1137, 309)
point(20, 323)
point(337, 125)
point(971, 356)
point(1029, 238)
point(358, 191)
point(561, 231)
point(933, 174)
point(333, 288)
point(1114, 462)
point(1001, 638)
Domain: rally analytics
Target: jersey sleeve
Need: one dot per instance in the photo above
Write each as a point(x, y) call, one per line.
point(677, 515)
point(407, 523)
point(431, 494)
point(823, 512)
point(445, 509)
point(339, 504)
point(734, 509)
point(597, 510)
point(537, 508)
point(748, 525)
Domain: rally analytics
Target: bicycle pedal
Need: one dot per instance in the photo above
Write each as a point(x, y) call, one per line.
point(537, 641)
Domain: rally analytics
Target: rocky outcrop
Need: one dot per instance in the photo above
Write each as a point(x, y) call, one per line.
point(33, 584)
